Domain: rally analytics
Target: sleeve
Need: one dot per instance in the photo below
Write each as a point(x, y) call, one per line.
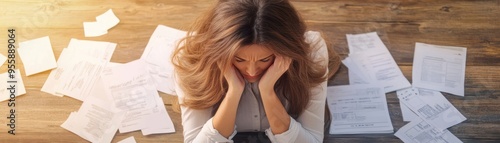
point(197, 124)
point(309, 126)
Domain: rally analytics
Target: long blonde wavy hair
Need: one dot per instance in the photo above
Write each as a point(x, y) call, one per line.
point(215, 37)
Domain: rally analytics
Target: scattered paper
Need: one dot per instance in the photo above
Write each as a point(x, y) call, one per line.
point(95, 121)
point(419, 131)
point(87, 57)
point(5, 82)
point(37, 55)
point(358, 109)
point(440, 68)
point(158, 122)
point(79, 75)
point(104, 22)
point(361, 42)
point(432, 107)
point(93, 29)
point(130, 139)
point(97, 49)
point(408, 115)
point(55, 75)
point(356, 76)
point(131, 86)
point(372, 63)
point(157, 55)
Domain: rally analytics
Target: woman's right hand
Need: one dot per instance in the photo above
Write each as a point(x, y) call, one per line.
point(235, 81)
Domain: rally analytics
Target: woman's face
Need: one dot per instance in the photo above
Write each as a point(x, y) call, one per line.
point(252, 61)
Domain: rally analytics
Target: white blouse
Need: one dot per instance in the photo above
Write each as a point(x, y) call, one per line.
point(251, 116)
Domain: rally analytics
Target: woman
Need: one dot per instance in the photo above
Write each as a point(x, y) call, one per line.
point(250, 66)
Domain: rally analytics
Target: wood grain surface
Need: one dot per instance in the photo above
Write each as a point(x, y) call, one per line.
point(399, 23)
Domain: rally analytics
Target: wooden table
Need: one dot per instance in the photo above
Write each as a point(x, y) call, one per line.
point(399, 23)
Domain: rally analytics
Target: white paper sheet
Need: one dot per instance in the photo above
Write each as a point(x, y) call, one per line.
point(381, 68)
point(371, 62)
point(361, 42)
point(130, 139)
point(158, 56)
point(408, 115)
point(37, 55)
point(19, 85)
point(419, 131)
point(55, 75)
point(108, 19)
point(158, 122)
point(130, 85)
point(103, 23)
point(358, 109)
point(94, 121)
point(132, 121)
point(97, 49)
point(78, 51)
point(440, 68)
point(93, 29)
point(356, 76)
point(431, 106)
point(79, 75)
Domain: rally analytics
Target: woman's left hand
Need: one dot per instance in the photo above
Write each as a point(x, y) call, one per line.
point(275, 71)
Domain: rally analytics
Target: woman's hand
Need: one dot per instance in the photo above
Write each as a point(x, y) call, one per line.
point(234, 80)
point(275, 71)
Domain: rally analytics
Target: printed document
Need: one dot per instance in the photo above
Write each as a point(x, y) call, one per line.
point(419, 131)
point(157, 55)
point(95, 121)
point(369, 61)
point(358, 109)
point(440, 68)
point(432, 107)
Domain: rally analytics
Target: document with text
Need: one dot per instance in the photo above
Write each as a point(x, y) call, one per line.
point(432, 107)
point(440, 68)
point(357, 109)
point(371, 62)
point(157, 55)
point(95, 121)
point(419, 131)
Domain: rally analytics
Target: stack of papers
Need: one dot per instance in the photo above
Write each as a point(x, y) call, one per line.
point(358, 109)
point(124, 98)
point(370, 62)
point(79, 65)
point(361, 107)
point(129, 90)
point(132, 90)
point(435, 68)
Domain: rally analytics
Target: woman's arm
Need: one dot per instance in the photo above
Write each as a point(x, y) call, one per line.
point(278, 118)
point(309, 126)
point(200, 127)
point(224, 119)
